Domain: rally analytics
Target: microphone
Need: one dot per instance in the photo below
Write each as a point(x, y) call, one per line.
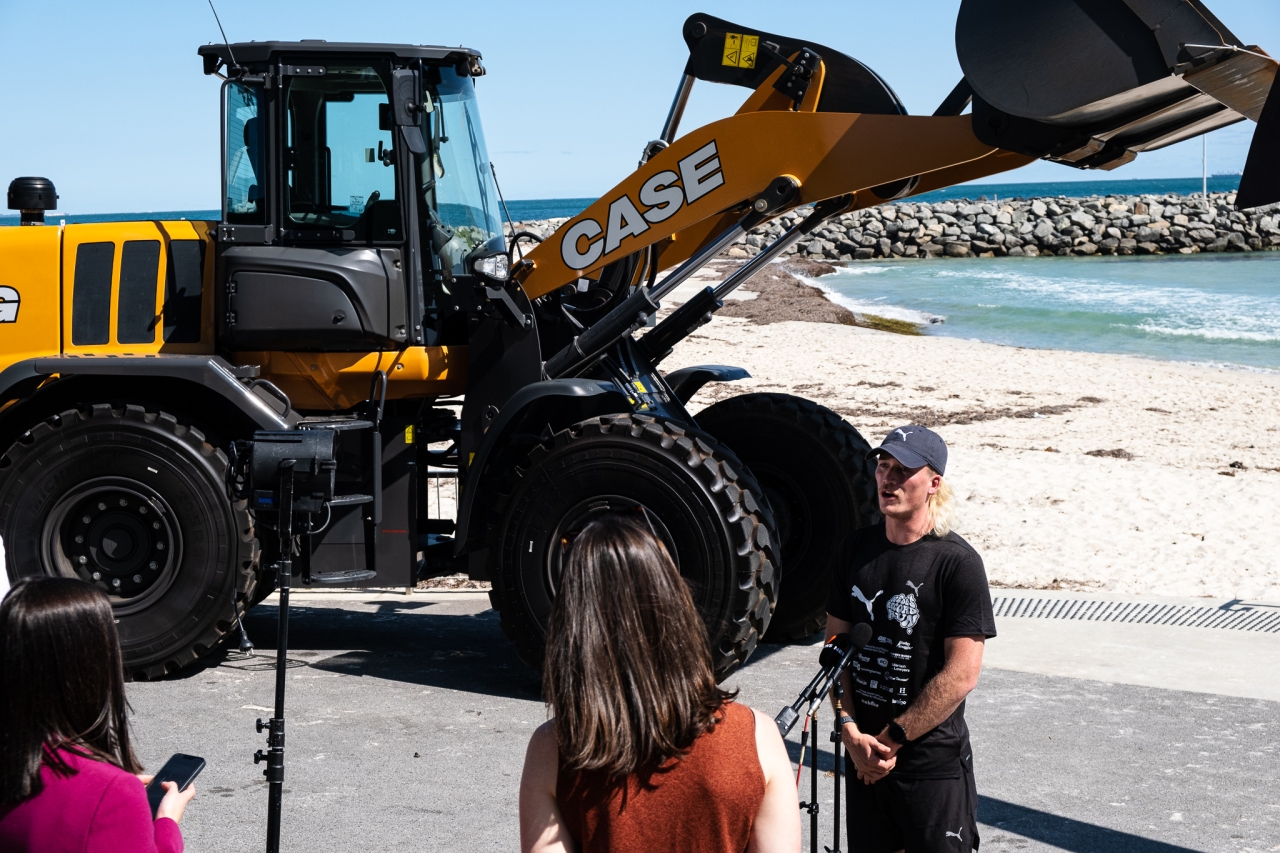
point(861, 635)
point(834, 649)
point(834, 657)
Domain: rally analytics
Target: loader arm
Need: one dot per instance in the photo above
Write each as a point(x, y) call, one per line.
point(721, 167)
point(1095, 92)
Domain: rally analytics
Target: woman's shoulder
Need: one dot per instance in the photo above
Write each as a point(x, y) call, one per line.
point(734, 710)
point(87, 770)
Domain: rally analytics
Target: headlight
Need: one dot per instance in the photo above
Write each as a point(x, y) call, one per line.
point(496, 267)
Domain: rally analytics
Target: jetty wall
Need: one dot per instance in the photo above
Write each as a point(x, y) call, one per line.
point(1093, 225)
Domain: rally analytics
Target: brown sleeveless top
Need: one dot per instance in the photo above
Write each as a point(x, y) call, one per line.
point(703, 802)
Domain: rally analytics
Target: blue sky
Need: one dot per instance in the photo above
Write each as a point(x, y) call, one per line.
point(108, 99)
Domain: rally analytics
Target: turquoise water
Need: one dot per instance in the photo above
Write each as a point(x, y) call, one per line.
point(1079, 189)
point(1214, 309)
point(523, 210)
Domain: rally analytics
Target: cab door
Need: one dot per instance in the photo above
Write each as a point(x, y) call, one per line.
point(328, 273)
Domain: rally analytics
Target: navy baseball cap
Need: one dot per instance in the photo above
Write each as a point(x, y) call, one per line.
point(915, 447)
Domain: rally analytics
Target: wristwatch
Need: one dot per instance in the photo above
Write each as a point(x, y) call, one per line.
point(845, 720)
point(897, 733)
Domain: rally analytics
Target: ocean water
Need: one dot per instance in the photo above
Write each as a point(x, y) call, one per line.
point(524, 210)
point(1220, 309)
point(1213, 309)
point(1080, 189)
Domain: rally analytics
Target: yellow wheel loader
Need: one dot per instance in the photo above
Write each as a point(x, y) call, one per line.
point(356, 325)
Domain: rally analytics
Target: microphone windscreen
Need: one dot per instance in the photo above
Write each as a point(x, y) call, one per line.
point(834, 650)
point(861, 634)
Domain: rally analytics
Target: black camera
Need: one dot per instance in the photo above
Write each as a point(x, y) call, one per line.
point(314, 468)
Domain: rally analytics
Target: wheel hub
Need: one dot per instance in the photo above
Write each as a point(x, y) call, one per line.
point(582, 514)
point(118, 535)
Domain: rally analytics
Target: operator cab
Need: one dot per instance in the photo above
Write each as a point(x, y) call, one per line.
point(357, 191)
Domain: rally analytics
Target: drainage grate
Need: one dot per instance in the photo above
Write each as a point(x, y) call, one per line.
point(1236, 615)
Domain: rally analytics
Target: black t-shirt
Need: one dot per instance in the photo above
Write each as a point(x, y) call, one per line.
point(915, 597)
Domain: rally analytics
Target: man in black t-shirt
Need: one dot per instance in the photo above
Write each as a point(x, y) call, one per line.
point(924, 592)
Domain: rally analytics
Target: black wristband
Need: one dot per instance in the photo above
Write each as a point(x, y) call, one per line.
point(845, 719)
point(897, 733)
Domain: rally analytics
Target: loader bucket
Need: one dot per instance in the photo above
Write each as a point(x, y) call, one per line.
point(1092, 83)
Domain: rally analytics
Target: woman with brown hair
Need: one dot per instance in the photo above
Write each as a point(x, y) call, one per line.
point(67, 770)
point(645, 752)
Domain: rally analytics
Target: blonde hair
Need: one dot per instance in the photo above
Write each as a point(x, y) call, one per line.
point(942, 510)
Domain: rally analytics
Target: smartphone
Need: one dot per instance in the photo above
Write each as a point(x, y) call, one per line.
point(180, 768)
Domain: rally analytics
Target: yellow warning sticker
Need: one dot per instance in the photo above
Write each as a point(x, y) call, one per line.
point(408, 434)
point(740, 50)
point(640, 386)
point(732, 49)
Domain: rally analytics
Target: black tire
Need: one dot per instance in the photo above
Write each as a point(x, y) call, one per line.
point(818, 482)
point(138, 498)
point(703, 507)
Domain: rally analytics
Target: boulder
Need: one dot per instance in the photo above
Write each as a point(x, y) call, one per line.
point(1081, 218)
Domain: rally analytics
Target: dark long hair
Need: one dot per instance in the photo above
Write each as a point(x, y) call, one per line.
point(628, 666)
point(61, 683)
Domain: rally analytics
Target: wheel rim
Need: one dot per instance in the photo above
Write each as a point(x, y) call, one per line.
point(587, 511)
point(119, 535)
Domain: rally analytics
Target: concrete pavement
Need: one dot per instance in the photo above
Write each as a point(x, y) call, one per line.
point(408, 718)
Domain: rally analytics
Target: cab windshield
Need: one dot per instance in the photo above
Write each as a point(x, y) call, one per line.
point(457, 184)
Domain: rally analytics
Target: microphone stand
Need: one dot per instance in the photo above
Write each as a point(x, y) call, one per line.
point(814, 693)
point(837, 738)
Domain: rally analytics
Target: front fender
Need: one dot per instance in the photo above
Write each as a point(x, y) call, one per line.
point(554, 404)
point(687, 381)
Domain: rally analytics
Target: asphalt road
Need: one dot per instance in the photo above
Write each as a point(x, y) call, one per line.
point(408, 718)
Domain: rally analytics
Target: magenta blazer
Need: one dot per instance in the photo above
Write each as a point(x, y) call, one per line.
point(101, 809)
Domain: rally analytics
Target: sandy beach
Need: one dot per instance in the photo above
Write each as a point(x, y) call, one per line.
point(1075, 471)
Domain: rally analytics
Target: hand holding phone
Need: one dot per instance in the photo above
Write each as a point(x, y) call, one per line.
point(180, 770)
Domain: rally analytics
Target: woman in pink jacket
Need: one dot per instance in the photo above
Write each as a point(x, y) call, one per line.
point(68, 775)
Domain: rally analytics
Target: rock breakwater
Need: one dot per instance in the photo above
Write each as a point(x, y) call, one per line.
point(1094, 225)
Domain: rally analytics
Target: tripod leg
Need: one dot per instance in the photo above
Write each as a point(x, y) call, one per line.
point(275, 726)
point(838, 751)
point(813, 788)
point(246, 645)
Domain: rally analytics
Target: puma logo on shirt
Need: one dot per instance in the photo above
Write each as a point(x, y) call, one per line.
point(857, 593)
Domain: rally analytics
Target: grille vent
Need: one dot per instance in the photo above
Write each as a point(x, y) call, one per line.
point(1234, 615)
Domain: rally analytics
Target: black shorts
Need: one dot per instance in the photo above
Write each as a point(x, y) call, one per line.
point(915, 815)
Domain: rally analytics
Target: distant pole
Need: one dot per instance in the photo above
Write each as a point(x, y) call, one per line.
point(1204, 166)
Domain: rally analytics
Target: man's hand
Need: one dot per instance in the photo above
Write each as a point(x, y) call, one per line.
point(888, 743)
point(871, 759)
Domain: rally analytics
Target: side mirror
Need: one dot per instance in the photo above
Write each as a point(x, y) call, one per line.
point(405, 92)
point(406, 89)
